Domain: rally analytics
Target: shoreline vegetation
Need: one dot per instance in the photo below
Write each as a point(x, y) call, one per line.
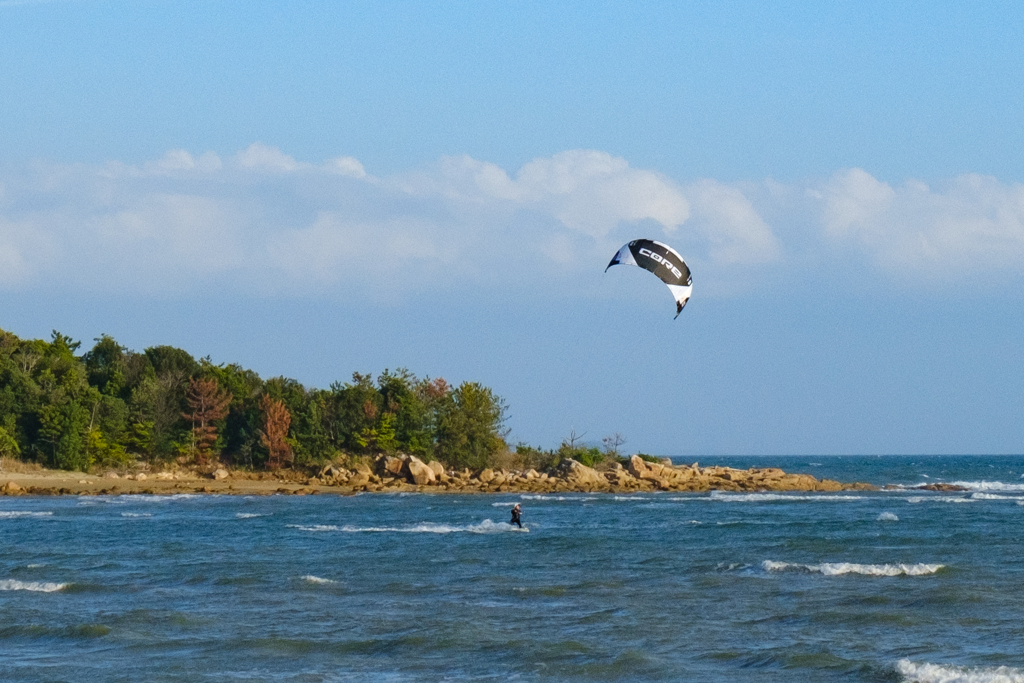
point(112, 420)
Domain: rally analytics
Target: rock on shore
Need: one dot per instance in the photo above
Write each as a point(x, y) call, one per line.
point(392, 473)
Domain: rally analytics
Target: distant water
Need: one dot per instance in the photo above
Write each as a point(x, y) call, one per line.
point(888, 586)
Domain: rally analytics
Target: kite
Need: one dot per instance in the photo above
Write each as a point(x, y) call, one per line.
point(663, 261)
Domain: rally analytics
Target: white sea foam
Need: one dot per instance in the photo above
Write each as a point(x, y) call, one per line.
point(630, 498)
point(989, 486)
point(993, 496)
point(485, 527)
point(35, 566)
point(838, 568)
point(731, 566)
point(767, 497)
point(127, 498)
point(314, 527)
point(249, 515)
point(136, 514)
point(913, 672)
point(13, 514)
point(35, 586)
point(888, 517)
point(316, 579)
point(938, 499)
point(502, 505)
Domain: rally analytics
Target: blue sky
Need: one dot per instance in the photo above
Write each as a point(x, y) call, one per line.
point(314, 188)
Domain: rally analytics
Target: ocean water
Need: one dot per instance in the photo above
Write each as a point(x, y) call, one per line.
point(900, 585)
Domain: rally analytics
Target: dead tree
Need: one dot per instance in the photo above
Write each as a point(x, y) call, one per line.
point(209, 404)
point(276, 420)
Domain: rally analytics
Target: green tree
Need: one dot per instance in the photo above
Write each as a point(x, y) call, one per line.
point(470, 427)
point(105, 366)
point(63, 431)
point(8, 445)
point(357, 405)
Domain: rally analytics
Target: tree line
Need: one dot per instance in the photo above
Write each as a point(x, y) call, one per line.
point(111, 407)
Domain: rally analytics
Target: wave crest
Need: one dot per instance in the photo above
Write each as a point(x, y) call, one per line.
point(838, 568)
point(317, 579)
point(938, 499)
point(485, 527)
point(939, 673)
point(34, 586)
point(769, 497)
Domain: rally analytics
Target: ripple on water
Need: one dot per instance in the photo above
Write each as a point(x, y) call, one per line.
point(40, 631)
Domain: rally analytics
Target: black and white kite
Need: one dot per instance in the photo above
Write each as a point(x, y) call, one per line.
point(663, 261)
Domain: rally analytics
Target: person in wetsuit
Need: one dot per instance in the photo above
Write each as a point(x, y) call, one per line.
point(517, 513)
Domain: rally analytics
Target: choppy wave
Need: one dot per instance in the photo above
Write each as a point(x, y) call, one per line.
point(250, 515)
point(989, 486)
point(13, 514)
point(993, 496)
point(34, 586)
point(136, 514)
point(314, 527)
point(767, 497)
point(485, 527)
point(838, 568)
point(913, 672)
point(317, 579)
point(888, 517)
point(129, 498)
point(938, 499)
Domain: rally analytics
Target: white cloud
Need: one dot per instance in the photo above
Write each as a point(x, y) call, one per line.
point(972, 222)
point(173, 233)
point(730, 224)
point(588, 191)
point(189, 222)
point(334, 249)
point(178, 160)
point(24, 251)
point(346, 166)
point(258, 156)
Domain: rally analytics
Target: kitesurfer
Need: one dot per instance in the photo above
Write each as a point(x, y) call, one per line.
point(517, 513)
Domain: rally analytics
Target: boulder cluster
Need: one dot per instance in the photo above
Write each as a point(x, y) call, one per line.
point(393, 473)
point(408, 472)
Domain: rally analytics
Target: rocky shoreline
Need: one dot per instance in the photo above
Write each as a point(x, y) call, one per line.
point(391, 474)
